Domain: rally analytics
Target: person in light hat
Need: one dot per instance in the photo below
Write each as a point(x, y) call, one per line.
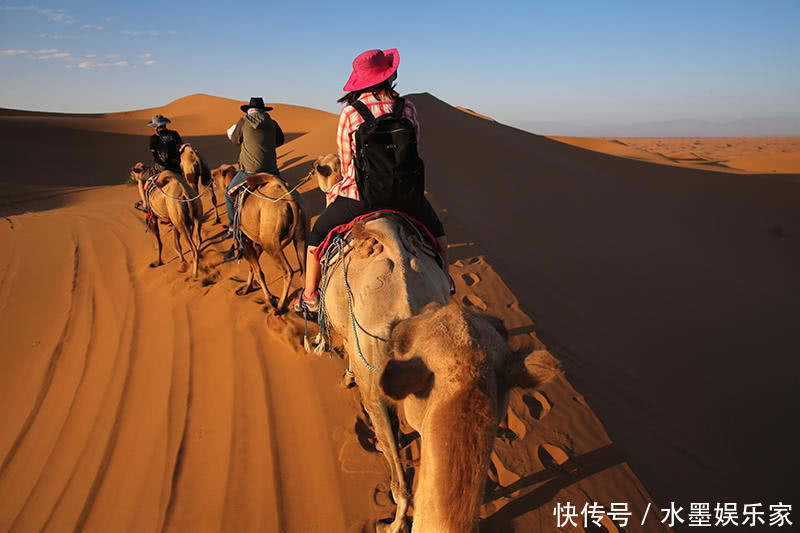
point(372, 82)
point(165, 146)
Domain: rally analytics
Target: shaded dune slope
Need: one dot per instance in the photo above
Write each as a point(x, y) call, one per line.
point(669, 294)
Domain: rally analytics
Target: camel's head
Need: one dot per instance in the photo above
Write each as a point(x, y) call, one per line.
point(327, 170)
point(223, 175)
point(456, 348)
point(455, 369)
point(136, 172)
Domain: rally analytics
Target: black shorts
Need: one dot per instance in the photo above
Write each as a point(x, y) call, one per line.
point(343, 210)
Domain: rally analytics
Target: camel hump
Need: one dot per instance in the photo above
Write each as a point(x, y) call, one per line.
point(262, 178)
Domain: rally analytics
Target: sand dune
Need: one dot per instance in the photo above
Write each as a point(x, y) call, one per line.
point(737, 154)
point(668, 293)
point(140, 399)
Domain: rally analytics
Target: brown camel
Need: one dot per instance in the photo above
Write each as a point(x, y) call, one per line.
point(452, 370)
point(328, 171)
point(391, 275)
point(197, 173)
point(269, 225)
point(170, 201)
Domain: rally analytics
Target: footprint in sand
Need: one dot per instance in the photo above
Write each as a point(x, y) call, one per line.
point(552, 456)
point(470, 300)
point(470, 278)
point(538, 404)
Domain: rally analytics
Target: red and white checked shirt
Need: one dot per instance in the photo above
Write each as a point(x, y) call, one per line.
point(349, 121)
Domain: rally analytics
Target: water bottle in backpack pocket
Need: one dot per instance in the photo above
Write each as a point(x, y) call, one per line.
point(389, 171)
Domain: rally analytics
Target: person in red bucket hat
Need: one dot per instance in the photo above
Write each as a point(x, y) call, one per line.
point(371, 83)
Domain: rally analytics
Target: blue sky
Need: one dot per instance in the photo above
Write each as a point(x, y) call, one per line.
point(575, 62)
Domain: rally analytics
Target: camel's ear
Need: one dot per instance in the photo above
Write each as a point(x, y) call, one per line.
point(532, 370)
point(324, 170)
point(402, 336)
point(401, 378)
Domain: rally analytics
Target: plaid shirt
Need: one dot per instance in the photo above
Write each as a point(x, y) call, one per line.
point(349, 121)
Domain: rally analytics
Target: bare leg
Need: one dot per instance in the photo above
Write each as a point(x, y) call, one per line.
point(313, 272)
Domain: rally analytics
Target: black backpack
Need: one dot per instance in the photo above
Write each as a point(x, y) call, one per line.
point(389, 171)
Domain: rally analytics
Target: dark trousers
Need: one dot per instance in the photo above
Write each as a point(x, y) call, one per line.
point(343, 210)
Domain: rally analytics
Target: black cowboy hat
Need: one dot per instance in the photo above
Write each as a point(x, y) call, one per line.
point(256, 102)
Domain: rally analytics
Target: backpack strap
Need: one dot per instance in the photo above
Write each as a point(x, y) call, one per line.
point(399, 104)
point(364, 111)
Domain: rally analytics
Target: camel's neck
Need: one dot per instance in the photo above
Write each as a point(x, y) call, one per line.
point(456, 444)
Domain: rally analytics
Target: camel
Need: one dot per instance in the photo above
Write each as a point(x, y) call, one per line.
point(171, 203)
point(197, 173)
point(328, 171)
point(269, 226)
point(452, 371)
point(391, 274)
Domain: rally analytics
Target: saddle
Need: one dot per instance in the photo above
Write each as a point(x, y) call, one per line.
point(251, 184)
point(344, 232)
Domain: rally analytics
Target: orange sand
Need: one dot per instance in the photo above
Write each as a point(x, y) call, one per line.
point(138, 399)
point(756, 155)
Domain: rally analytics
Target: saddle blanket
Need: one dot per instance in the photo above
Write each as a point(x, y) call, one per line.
point(319, 253)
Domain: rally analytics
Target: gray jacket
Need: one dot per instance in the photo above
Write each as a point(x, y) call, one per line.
point(259, 135)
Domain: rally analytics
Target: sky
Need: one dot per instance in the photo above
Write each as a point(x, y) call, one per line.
point(520, 62)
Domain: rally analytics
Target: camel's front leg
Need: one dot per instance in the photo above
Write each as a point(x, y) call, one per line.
point(379, 415)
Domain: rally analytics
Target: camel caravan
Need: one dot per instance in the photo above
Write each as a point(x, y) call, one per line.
point(407, 341)
point(375, 278)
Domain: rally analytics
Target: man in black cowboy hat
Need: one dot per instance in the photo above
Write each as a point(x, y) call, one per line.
point(165, 146)
point(259, 135)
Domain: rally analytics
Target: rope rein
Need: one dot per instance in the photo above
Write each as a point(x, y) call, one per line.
point(337, 248)
point(210, 187)
point(281, 197)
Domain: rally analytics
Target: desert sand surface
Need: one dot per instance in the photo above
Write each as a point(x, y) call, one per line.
point(139, 399)
point(729, 154)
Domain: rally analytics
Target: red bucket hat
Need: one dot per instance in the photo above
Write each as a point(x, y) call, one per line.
point(371, 68)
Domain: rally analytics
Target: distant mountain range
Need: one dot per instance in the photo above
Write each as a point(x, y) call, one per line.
point(748, 127)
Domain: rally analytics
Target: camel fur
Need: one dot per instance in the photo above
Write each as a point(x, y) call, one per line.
point(197, 173)
point(327, 170)
point(452, 371)
point(392, 276)
point(184, 215)
point(269, 226)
